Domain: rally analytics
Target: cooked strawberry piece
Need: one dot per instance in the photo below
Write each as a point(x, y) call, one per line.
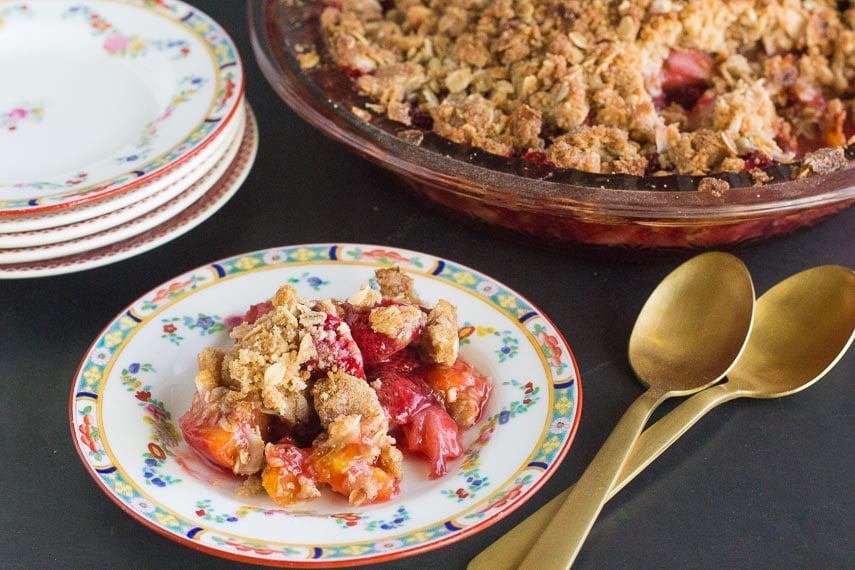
point(757, 160)
point(336, 348)
point(412, 394)
point(463, 390)
point(537, 157)
point(402, 396)
point(433, 433)
point(286, 478)
point(685, 76)
point(686, 67)
point(257, 311)
point(383, 330)
point(406, 360)
point(232, 439)
point(401, 391)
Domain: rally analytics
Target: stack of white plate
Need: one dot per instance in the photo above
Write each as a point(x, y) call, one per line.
point(123, 125)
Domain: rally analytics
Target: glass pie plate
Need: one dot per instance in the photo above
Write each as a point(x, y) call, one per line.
point(559, 206)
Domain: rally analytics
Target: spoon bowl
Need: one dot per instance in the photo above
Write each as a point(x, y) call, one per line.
point(802, 327)
point(693, 327)
point(687, 336)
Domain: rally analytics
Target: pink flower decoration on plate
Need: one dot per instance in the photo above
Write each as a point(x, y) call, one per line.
point(11, 118)
point(18, 114)
point(115, 43)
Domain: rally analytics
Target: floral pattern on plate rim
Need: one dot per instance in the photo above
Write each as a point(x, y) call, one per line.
point(142, 148)
point(227, 71)
point(119, 44)
point(15, 10)
point(561, 391)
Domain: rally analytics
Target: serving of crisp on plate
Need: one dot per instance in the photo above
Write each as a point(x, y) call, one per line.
point(137, 379)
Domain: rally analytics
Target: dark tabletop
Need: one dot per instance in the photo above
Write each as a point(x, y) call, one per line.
point(757, 484)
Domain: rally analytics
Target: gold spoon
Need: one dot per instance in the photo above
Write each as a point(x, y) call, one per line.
point(689, 333)
point(802, 327)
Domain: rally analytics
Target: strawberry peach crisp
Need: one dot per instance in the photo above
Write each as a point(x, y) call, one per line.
point(317, 394)
point(642, 87)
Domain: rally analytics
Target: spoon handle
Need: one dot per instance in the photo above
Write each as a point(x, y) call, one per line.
point(508, 551)
point(562, 538)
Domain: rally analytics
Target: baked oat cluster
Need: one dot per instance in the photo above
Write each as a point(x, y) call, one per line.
point(641, 87)
point(316, 394)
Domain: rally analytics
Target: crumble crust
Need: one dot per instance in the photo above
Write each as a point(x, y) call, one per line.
point(440, 342)
point(396, 285)
point(641, 87)
point(268, 356)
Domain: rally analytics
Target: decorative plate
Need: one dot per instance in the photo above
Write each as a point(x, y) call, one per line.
point(181, 175)
point(179, 224)
point(137, 380)
point(205, 176)
point(126, 90)
point(135, 223)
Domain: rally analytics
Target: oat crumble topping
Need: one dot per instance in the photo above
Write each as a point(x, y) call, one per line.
point(641, 87)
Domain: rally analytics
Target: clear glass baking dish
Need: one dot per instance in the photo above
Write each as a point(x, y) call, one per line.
point(557, 205)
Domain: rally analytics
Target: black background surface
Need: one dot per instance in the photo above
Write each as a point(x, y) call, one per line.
point(757, 484)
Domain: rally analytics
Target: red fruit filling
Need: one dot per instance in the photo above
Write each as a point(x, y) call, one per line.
point(374, 345)
point(402, 395)
point(336, 348)
point(257, 311)
point(685, 76)
point(434, 434)
point(431, 403)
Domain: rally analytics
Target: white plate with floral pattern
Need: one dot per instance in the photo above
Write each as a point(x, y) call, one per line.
point(137, 379)
point(148, 200)
point(179, 224)
point(126, 90)
point(133, 220)
point(183, 174)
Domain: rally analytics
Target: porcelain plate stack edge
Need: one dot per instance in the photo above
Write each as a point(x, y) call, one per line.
point(125, 127)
